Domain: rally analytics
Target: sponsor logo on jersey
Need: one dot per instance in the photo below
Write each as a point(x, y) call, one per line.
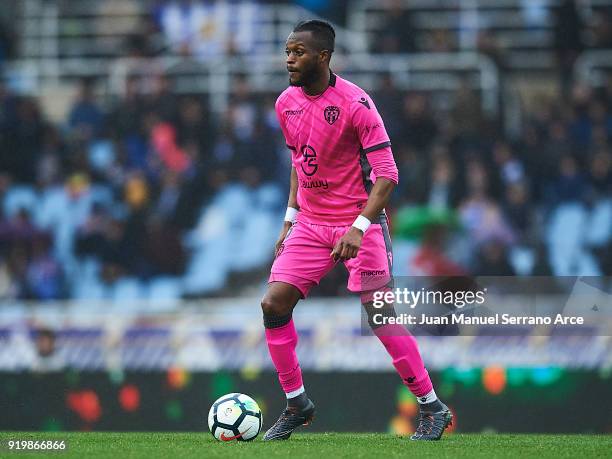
point(314, 184)
point(309, 164)
point(371, 128)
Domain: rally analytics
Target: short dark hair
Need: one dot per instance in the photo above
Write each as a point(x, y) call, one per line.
point(322, 31)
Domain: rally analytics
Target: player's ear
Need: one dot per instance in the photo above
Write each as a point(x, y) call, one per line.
point(324, 56)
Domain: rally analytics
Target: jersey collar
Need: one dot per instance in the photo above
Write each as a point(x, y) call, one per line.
point(332, 79)
point(331, 83)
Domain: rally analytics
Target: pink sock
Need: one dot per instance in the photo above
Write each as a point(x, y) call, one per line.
point(403, 349)
point(281, 343)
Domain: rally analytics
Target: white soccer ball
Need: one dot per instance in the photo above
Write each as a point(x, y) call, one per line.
point(235, 417)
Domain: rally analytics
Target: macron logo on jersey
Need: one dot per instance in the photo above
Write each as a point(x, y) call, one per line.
point(293, 112)
point(363, 101)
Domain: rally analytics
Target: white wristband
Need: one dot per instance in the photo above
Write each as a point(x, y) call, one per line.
point(291, 214)
point(362, 223)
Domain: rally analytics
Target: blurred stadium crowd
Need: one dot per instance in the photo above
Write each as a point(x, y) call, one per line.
point(151, 194)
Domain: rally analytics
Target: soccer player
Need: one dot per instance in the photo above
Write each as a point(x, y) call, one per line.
point(342, 176)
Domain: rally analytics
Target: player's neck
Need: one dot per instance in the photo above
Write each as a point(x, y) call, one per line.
point(319, 86)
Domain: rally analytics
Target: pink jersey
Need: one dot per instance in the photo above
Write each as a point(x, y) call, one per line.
point(330, 136)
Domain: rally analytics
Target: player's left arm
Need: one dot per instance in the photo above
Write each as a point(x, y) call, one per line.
point(349, 244)
point(378, 199)
point(375, 141)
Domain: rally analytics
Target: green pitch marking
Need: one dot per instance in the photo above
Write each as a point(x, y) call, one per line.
point(345, 445)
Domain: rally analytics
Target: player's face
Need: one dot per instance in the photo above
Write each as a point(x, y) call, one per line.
point(304, 60)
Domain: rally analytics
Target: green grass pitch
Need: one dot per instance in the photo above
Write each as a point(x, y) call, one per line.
point(317, 446)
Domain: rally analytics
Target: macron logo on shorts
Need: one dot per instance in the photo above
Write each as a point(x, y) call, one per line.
point(379, 272)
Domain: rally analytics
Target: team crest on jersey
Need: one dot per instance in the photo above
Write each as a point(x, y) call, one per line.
point(331, 113)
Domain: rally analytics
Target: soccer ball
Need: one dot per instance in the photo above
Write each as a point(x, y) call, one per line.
point(235, 417)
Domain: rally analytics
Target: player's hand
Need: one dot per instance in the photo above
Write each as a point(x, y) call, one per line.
point(281, 237)
point(348, 245)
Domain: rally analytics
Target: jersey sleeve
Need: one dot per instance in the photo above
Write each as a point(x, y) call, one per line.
point(383, 165)
point(281, 122)
point(368, 125)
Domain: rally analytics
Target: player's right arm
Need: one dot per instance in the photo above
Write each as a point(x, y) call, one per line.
point(291, 203)
point(293, 189)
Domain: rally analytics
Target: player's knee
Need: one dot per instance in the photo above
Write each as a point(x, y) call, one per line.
point(273, 306)
point(268, 306)
point(276, 313)
point(377, 317)
point(278, 303)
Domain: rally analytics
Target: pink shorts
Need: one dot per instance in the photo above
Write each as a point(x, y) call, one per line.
point(304, 258)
